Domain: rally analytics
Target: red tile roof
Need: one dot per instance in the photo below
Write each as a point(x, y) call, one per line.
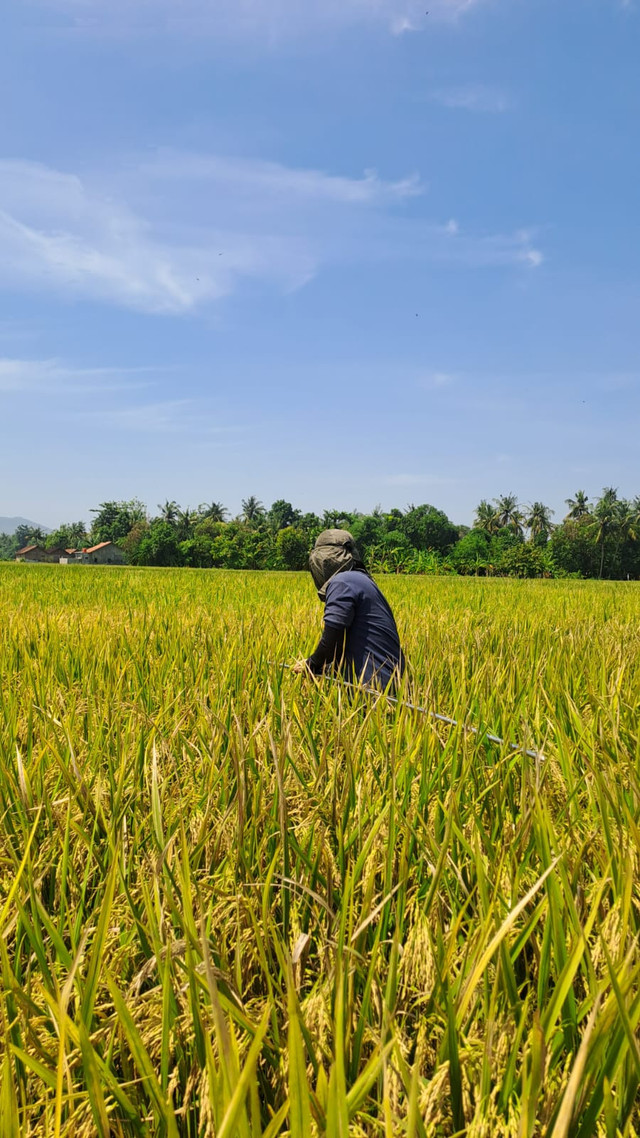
point(27, 549)
point(100, 545)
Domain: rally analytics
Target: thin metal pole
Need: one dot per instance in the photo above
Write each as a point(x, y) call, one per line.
point(432, 714)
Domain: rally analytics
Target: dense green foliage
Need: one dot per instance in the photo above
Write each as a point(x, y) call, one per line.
point(238, 903)
point(602, 540)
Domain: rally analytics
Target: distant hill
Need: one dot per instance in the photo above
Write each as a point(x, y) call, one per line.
point(10, 525)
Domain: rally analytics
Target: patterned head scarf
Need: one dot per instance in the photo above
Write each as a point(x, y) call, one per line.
point(335, 551)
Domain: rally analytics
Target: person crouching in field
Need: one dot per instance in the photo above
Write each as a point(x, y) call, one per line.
point(360, 639)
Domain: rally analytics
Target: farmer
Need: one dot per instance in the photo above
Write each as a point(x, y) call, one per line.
point(360, 638)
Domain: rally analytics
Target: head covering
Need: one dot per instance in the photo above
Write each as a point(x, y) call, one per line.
point(335, 551)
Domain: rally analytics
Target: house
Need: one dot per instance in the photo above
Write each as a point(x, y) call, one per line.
point(105, 553)
point(34, 553)
point(31, 553)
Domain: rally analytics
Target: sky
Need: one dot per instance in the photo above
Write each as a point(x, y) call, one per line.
point(343, 252)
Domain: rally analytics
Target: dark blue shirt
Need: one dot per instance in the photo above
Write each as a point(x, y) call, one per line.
point(372, 650)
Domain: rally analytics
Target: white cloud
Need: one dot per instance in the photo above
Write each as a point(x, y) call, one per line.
point(473, 97)
point(62, 233)
point(275, 180)
point(177, 232)
point(472, 251)
point(529, 254)
point(53, 377)
point(436, 380)
point(107, 394)
point(402, 24)
point(262, 20)
point(168, 416)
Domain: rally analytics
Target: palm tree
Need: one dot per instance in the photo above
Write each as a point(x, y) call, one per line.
point(252, 510)
point(185, 522)
point(578, 506)
point(486, 517)
point(169, 512)
point(508, 513)
point(629, 519)
point(30, 535)
point(538, 520)
point(606, 519)
point(214, 510)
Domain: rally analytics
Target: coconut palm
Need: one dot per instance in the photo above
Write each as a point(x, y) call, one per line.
point(634, 510)
point(252, 510)
point(578, 506)
point(214, 510)
point(508, 512)
point(606, 517)
point(629, 519)
point(185, 523)
point(486, 518)
point(337, 519)
point(538, 520)
point(169, 512)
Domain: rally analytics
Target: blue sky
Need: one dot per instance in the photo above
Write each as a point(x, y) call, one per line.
point(346, 252)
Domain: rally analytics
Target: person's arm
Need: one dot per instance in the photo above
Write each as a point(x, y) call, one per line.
point(329, 649)
point(339, 611)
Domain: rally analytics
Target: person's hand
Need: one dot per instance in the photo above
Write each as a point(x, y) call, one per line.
point(301, 668)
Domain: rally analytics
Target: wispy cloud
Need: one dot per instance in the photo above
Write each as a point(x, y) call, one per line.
point(61, 232)
point(169, 416)
point(162, 417)
point(64, 234)
point(275, 180)
point(119, 235)
point(266, 20)
point(53, 377)
point(437, 380)
point(473, 97)
point(110, 397)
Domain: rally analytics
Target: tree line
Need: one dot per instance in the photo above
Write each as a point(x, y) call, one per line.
point(594, 539)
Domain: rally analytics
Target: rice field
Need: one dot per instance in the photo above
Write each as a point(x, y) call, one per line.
point(238, 902)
